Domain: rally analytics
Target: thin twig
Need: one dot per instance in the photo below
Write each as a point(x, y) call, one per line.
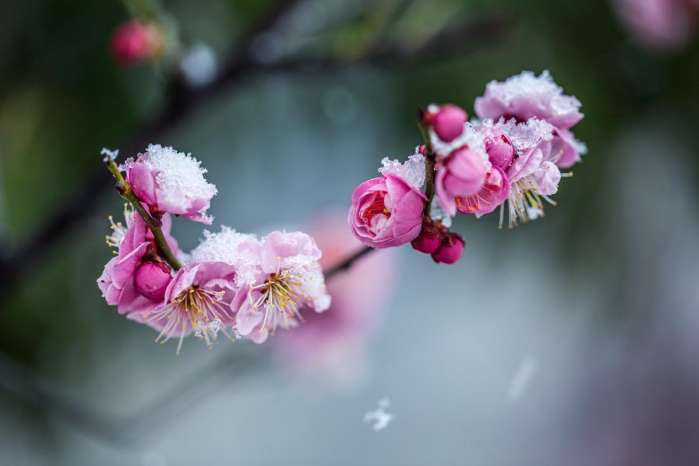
point(154, 224)
point(347, 263)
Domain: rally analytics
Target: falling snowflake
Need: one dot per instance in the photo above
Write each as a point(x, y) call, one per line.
point(522, 378)
point(379, 418)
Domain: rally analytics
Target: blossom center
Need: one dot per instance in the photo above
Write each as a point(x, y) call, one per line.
point(204, 310)
point(377, 207)
point(280, 297)
point(525, 202)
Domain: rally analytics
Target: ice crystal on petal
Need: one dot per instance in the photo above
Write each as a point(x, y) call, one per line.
point(540, 88)
point(437, 213)
point(412, 170)
point(471, 138)
point(109, 154)
point(181, 175)
point(524, 135)
point(238, 249)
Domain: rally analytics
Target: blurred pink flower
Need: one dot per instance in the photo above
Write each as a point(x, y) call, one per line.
point(386, 211)
point(170, 181)
point(658, 24)
point(288, 277)
point(133, 242)
point(333, 342)
point(136, 41)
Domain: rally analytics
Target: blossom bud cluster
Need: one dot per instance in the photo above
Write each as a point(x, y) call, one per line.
point(233, 283)
point(510, 157)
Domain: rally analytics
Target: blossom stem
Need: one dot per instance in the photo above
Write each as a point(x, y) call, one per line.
point(153, 223)
point(429, 168)
point(347, 263)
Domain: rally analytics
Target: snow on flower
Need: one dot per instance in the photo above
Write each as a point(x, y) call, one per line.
point(533, 174)
point(288, 277)
point(170, 181)
point(240, 250)
point(526, 96)
point(412, 171)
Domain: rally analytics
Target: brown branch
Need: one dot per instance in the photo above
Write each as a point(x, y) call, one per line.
point(347, 263)
point(153, 224)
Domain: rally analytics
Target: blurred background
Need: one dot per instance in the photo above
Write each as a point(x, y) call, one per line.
point(569, 340)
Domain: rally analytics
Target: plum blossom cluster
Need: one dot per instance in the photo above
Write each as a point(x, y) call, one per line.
point(511, 157)
point(232, 283)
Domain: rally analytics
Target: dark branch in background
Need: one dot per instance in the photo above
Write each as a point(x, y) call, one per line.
point(122, 431)
point(182, 100)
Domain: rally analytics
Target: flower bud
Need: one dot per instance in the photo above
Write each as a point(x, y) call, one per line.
point(448, 122)
point(135, 41)
point(429, 239)
point(151, 279)
point(500, 151)
point(449, 250)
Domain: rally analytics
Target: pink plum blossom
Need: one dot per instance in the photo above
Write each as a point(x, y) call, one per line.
point(527, 96)
point(134, 242)
point(387, 211)
point(533, 175)
point(494, 192)
point(658, 24)
point(198, 299)
point(171, 182)
point(288, 277)
point(460, 174)
point(136, 41)
point(332, 343)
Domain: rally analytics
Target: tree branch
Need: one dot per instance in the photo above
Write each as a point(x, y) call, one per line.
point(182, 101)
point(347, 263)
point(154, 224)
